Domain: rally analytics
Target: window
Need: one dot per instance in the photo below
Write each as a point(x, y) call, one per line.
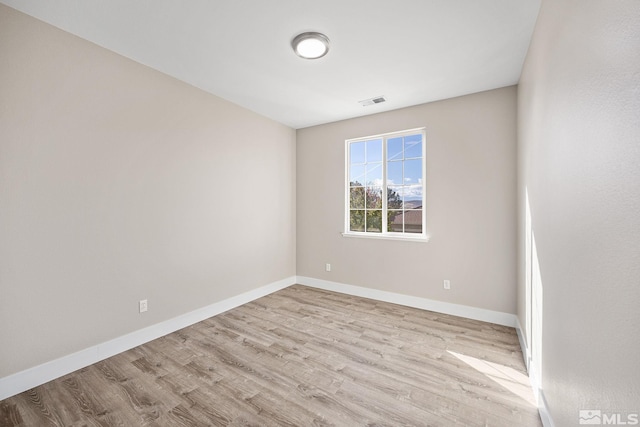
point(392, 165)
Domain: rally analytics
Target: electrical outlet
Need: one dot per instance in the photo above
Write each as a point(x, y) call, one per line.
point(327, 267)
point(447, 284)
point(143, 305)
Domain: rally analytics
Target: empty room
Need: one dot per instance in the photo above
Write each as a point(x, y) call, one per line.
point(340, 213)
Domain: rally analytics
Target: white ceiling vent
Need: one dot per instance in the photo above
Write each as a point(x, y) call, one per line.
point(371, 101)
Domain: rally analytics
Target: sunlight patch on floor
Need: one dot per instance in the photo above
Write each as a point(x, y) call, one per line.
point(514, 381)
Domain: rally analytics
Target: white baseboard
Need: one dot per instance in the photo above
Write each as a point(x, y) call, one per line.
point(543, 409)
point(497, 317)
point(534, 378)
point(32, 377)
point(523, 344)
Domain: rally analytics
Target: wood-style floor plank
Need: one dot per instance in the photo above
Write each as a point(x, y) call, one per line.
point(299, 357)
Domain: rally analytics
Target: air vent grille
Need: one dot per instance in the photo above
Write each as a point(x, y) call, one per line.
point(371, 101)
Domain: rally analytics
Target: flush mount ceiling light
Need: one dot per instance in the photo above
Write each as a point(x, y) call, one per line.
point(310, 45)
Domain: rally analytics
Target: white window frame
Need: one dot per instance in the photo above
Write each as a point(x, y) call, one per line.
point(384, 234)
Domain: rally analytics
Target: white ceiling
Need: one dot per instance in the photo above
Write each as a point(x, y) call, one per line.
point(410, 51)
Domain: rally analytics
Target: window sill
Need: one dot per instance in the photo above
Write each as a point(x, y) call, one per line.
point(417, 239)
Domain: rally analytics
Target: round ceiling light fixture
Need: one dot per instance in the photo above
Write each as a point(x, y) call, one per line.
point(310, 45)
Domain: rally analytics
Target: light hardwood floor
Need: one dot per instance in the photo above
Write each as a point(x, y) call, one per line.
point(299, 357)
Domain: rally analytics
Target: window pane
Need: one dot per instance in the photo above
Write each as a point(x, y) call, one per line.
point(413, 172)
point(394, 173)
point(356, 197)
point(394, 221)
point(356, 221)
point(356, 175)
point(374, 221)
point(413, 221)
point(374, 174)
point(356, 154)
point(374, 150)
point(413, 196)
point(394, 149)
point(374, 198)
point(394, 197)
point(412, 146)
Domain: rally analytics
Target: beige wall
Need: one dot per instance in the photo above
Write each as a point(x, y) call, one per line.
point(471, 202)
point(579, 162)
point(118, 183)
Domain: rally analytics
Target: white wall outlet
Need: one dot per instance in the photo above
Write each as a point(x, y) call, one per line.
point(327, 267)
point(447, 284)
point(142, 305)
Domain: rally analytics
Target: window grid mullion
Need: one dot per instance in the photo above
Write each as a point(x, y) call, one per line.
point(384, 186)
point(404, 208)
point(364, 184)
